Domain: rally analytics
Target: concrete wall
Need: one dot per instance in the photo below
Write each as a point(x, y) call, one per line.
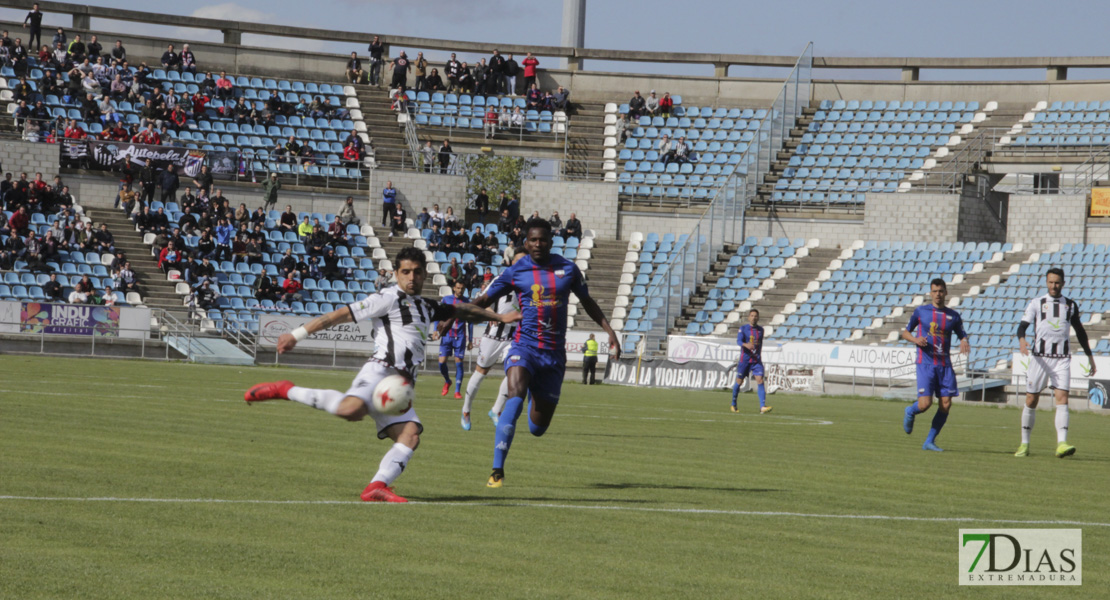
point(912, 217)
point(978, 219)
point(831, 232)
point(416, 190)
point(1098, 233)
point(1041, 221)
point(100, 192)
point(594, 203)
point(24, 157)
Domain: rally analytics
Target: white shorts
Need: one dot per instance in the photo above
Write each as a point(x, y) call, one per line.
point(363, 387)
point(491, 351)
point(1054, 372)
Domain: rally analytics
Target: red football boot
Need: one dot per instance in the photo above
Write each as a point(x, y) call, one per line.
point(446, 388)
point(378, 492)
point(458, 396)
point(274, 390)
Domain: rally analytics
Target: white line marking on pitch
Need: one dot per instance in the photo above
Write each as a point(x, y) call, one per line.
point(494, 503)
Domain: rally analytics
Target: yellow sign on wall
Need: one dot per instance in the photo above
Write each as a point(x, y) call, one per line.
point(1100, 202)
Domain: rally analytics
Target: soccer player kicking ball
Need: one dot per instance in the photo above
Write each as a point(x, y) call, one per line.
point(935, 323)
point(750, 340)
point(454, 342)
point(1053, 316)
point(495, 341)
point(401, 320)
point(537, 357)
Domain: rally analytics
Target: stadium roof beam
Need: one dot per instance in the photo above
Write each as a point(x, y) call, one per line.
point(1056, 67)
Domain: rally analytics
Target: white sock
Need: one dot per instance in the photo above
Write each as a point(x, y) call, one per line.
point(393, 463)
point(472, 389)
point(328, 400)
point(502, 396)
point(1061, 423)
point(1028, 418)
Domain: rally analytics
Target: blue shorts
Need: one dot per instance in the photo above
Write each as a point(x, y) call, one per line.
point(936, 380)
point(744, 368)
point(452, 346)
point(546, 366)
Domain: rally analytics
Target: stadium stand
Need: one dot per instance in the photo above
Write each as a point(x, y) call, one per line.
point(1063, 124)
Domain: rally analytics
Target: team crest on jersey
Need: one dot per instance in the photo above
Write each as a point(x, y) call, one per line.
point(560, 272)
point(515, 358)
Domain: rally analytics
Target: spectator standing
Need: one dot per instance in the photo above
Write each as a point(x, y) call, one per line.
point(428, 153)
point(148, 181)
point(203, 181)
point(452, 70)
point(481, 202)
point(400, 67)
point(33, 21)
point(512, 69)
point(270, 189)
point(354, 69)
point(496, 73)
point(589, 362)
point(530, 63)
point(389, 200)
point(420, 69)
point(445, 153)
point(377, 50)
point(169, 181)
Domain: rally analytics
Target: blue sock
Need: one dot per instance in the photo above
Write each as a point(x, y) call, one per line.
point(762, 395)
point(506, 428)
point(443, 370)
point(535, 429)
point(735, 391)
point(913, 409)
point(938, 423)
point(458, 377)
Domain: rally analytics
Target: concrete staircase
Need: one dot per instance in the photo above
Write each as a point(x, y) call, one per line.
point(603, 278)
point(386, 136)
point(155, 289)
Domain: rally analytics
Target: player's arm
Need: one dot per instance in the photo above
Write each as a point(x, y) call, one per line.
point(336, 317)
point(472, 313)
point(909, 337)
point(1029, 317)
point(1081, 336)
point(965, 343)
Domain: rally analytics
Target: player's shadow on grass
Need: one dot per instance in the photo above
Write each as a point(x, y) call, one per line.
point(664, 486)
point(491, 499)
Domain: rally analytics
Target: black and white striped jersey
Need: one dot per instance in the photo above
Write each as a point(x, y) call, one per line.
point(503, 305)
point(402, 324)
point(1052, 319)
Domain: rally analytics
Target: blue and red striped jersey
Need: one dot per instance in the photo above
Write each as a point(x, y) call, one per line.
point(458, 327)
point(544, 291)
point(936, 325)
point(747, 334)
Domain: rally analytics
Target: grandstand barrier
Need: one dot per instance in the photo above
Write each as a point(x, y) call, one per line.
point(85, 320)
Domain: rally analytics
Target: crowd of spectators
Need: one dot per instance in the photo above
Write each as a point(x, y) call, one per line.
point(22, 241)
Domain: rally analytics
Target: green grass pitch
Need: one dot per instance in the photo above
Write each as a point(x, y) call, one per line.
point(633, 493)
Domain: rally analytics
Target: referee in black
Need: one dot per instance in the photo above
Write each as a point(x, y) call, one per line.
point(34, 20)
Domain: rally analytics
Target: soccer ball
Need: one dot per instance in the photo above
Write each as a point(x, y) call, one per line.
point(393, 396)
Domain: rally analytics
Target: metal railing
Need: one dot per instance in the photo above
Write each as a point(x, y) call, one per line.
point(723, 221)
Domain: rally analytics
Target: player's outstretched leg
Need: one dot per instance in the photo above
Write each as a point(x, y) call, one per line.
point(1063, 449)
point(325, 400)
point(503, 439)
point(939, 419)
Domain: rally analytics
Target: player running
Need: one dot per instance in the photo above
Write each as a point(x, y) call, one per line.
point(1053, 316)
point(453, 342)
point(750, 340)
point(537, 359)
point(401, 320)
point(935, 323)
point(491, 349)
